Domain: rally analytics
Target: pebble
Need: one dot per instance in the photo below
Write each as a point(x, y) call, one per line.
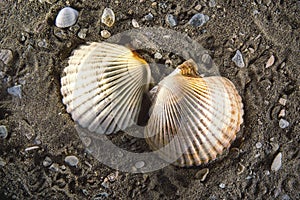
point(66, 17)
point(105, 183)
point(3, 132)
point(258, 145)
point(276, 164)
point(238, 59)
point(283, 123)
point(108, 17)
point(105, 34)
point(148, 17)
point(157, 55)
point(281, 113)
point(54, 167)
point(212, 3)
point(198, 20)
point(198, 7)
point(6, 55)
point(202, 174)
point(275, 146)
point(82, 33)
point(171, 20)
point(222, 185)
point(282, 101)
point(270, 62)
point(15, 91)
point(72, 161)
point(42, 43)
point(112, 177)
point(139, 164)
point(168, 62)
point(134, 23)
point(85, 192)
point(47, 162)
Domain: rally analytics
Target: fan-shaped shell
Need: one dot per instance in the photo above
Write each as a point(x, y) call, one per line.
point(66, 17)
point(103, 86)
point(193, 119)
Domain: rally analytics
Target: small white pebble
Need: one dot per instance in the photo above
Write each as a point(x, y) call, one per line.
point(198, 7)
point(283, 123)
point(139, 164)
point(47, 162)
point(276, 164)
point(82, 33)
point(258, 145)
point(134, 23)
point(72, 161)
point(282, 101)
point(157, 55)
point(222, 185)
point(281, 113)
point(105, 34)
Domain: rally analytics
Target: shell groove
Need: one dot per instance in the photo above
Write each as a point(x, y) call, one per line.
point(193, 119)
point(66, 17)
point(103, 87)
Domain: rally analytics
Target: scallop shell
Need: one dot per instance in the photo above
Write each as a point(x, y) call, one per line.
point(103, 86)
point(108, 17)
point(193, 119)
point(66, 17)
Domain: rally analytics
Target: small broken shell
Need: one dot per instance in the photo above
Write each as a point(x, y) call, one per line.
point(276, 164)
point(202, 174)
point(103, 86)
point(270, 61)
point(6, 56)
point(108, 17)
point(193, 119)
point(66, 17)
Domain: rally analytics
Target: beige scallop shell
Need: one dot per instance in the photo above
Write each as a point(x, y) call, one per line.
point(103, 87)
point(193, 119)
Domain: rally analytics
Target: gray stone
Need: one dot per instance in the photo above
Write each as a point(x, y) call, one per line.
point(72, 161)
point(198, 20)
point(238, 59)
point(15, 91)
point(3, 132)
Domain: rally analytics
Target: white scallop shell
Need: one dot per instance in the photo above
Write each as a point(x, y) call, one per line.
point(103, 87)
point(66, 17)
point(193, 119)
point(108, 17)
